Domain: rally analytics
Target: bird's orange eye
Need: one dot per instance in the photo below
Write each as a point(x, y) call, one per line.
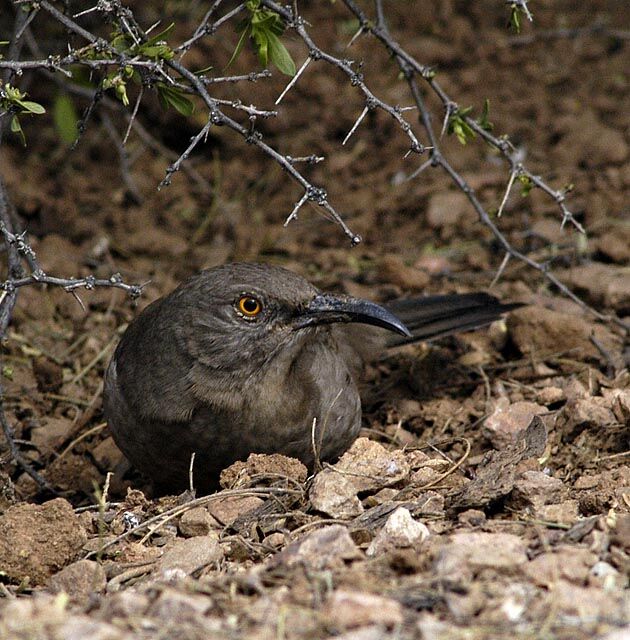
point(249, 306)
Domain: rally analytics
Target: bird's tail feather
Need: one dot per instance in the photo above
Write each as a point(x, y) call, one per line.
point(432, 317)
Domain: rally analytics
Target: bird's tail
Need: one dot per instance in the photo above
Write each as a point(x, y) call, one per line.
point(432, 317)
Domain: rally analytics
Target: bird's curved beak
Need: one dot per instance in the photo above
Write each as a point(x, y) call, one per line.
point(326, 308)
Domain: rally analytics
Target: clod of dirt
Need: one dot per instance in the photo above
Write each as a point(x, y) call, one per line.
point(400, 531)
point(507, 421)
point(566, 512)
point(582, 413)
point(366, 466)
point(227, 510)
point(107, 455)
point(539, 332)
point(184, 607)
point(38, 540)
point(468, 553)
point(447, 209)
point(497, 475)
point(393, 270)
point(594, 143)
point(615, 245)
point(46, 617)
point(353, 609)
point(197, 522)
point(327, 548)
point(51, 434)
point(123, 605)
point(620, 534)
point(569, 563)
point(48, 374)
point(602, 284)
point(183, 557)
point(260, 465)
point(534, 489)
point(79, 580)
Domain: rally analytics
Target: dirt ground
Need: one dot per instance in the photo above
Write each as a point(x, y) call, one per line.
point(489, 494)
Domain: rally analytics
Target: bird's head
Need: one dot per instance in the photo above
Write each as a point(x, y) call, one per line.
point(246, 312)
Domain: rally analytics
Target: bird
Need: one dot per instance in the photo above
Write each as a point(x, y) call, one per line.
point(252, 358)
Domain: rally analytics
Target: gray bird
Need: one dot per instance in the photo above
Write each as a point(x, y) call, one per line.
point(252, 358)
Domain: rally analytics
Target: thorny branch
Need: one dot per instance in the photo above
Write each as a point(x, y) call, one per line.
point(19, 251)
point(99, 55)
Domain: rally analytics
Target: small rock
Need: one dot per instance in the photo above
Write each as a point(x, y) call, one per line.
point(227, 510)
point(49, 374)
point(472, 518)
point(326, 548)
point(447, 209)
point(183, 607)
point(594, 412)
point(46, 617)
point(507, 421)
point(606, 577)
point(184, 557)
point(566, 512)
point(352, 609)
point(51, 434)
point(594, 143)
point(589, 604)
point(573, 564)
point(124, 605)
point(394, 271)
point(79, 580)
point(615, 245)
point(620, 534)
point(400, 531)
point(538, 331)
point(275, 540)
point(603, 284)
point(38, 540)
point(107, 455)
point(535, 488)
point(258, 464)
point(467, 553)
point(550, 395)
point(196, 522)
point(366, 466)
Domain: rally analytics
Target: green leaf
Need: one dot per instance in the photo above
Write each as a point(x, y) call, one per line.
point(515, 18)
point(172, 97)
point(458, 126)
point(526, 185)
point(483, 121)
point(16, 127)
point(65, 118)
point(160, 36)
point(261, 41)
point(279, 55)
point(247, 31)
point(31, 107)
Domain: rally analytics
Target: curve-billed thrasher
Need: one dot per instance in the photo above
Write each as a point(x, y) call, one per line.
point(247, 358)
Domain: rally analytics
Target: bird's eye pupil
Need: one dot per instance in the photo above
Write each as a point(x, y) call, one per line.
point(249, 306)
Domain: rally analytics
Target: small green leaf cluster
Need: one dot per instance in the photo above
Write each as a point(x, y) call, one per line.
point(526, 184)
point(516, 14)
point(12, 101)
point(264, 27)
point(157, 49)
point(458, 125)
